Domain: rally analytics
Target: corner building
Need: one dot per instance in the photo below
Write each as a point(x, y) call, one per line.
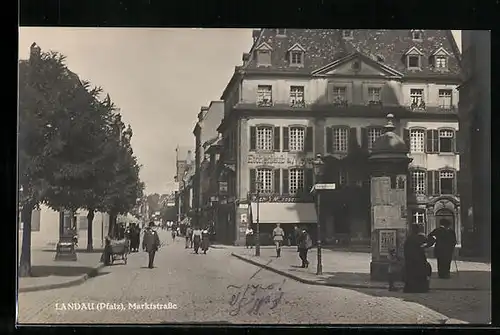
point(301, 92)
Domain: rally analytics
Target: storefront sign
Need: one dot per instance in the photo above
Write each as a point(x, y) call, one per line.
point(387, 241)
point(281, 198)
point(279, 159)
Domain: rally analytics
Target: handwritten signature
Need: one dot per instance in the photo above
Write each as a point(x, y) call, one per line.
point(254, 297)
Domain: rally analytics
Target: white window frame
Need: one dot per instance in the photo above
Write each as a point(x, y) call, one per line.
point(296, 61)
point(259, 59)
point(417, 140)
point(339, 93)
point(416, 96)
point(445, 94)
point(446, 134)
point(296, 95)
point(419, 181)
point(418, 216)
point(265, 95)
point(373, 134)
point(440, 62)
point(265, 180)
point(296, 139)
point(374, 94)
point(446, 174)
point(418, 37)
point(264, 138)
point(340, 138)
point(296, 180)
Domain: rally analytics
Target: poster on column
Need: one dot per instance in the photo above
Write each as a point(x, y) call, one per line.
point(385, 216)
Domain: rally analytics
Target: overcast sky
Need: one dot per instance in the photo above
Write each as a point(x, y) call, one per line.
point(158, 77)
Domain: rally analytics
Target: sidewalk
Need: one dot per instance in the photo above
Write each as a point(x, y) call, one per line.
point(352, 270)
point(50, 274)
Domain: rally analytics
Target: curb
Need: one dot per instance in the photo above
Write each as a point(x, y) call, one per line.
point(341, 285)
point(73, 282)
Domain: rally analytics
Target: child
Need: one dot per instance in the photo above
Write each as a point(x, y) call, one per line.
point(393, 263)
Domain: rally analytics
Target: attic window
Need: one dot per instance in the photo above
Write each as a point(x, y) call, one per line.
point(413, 61)
point(281, 32)
point(440, 62)
point(347, 34)
point(416, 35)
point(296, 58)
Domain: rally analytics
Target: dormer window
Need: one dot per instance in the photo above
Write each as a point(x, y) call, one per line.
point(416, 35)
point(441, 62)
point(347, 34)
point(413, 59)
point(263, 53)
point(296, 55)
point(439, 59)
point(281, 32)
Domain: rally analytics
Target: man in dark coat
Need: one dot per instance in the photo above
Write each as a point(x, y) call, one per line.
point(417, 270)
point(445, 240)
point(150, 243)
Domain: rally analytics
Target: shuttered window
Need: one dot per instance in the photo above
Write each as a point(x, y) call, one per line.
point(296, 181)
point(265, 138)
point(432, 141)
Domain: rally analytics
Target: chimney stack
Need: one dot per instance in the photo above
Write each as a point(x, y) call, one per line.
point(35, 50)
point(255, 34)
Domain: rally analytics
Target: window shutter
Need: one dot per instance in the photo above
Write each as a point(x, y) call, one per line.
point(435, 140)
point(454, 142)
point(456, 180)
point(308, 180)
point(253, 179)
point(277, 181)
point(277, 138)
point(329, 139)
point(286, 136)
point(308, 145)
point(286, 177)
point(429, 141)
point(406, 138)
point(364, 138)
point(437, 184)
point(253, 138)
point(353, 139)
point(409, 183)
point(430, 183)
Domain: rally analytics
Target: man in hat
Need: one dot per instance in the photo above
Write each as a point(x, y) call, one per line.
point(445, 240)
point(150, 243)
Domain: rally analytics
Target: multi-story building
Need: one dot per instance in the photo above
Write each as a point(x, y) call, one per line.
point(475, 137)
point(184, 172)
point(301, 92)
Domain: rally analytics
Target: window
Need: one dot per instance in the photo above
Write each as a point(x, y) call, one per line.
point(373, 134)
point(339, 94)
point(296, 180)
point(340, 136)
point(264, 181)
point(445, 99)
point(413, 61)
point(296, 57)
point(374, 94)
point(264, 57)
point(347, 33)
point(417, 140)
point(297, 136)
point(446, 180)
point(281, 32)
point(417, 97)
point(418, 217)
point(440, 62)
point(264, 138)
point(446, 138)
point(264, 95)
point(296, 95)
point(416, 35)
point(418, 182)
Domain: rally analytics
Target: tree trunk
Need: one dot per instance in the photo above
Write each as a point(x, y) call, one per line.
point(112, 224)
point(90, 222)
point(25, 261)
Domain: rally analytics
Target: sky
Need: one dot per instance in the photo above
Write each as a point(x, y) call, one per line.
point(159, 78)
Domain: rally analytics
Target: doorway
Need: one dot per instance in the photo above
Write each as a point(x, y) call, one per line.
point(445, 214)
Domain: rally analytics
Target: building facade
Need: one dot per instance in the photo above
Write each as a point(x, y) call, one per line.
point(302, 92)
point(475, 137)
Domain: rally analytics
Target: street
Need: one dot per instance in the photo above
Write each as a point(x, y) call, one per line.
point(209, 288)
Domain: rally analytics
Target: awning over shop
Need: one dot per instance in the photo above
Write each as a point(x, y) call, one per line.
point(293, 213)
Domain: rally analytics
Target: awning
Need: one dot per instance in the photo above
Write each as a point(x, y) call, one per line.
point(293, 213)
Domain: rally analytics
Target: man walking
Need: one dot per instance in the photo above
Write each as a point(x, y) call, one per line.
point(278, 236)
point(189, 237)
point(150, 243)
point(445, 241)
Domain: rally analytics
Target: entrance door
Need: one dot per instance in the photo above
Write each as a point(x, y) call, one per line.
point(445, 214)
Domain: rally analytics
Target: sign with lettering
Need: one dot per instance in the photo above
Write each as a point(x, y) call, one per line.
point(387, 241)
point(279, 158)
point(281, 198)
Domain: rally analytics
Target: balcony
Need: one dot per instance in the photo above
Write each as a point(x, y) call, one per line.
point(298, 104)
point(418, 106)
point(265, 102)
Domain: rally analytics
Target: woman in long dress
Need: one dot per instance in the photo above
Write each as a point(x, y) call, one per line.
point(196, 239)
point(205, 240)
point(417, 270)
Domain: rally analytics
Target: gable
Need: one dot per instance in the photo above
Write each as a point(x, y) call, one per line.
point(357, 65)
point(297, 47)
point(440, 52)
point(264, 47)
point(414, 51)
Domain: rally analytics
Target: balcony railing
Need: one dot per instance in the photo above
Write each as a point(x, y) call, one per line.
point(298, 104)
point(418, 106)
point(265, 103)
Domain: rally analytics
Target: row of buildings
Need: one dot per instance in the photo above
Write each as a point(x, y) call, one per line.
point(302, 92)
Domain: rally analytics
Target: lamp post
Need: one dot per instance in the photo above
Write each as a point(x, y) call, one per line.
point(318, 171)
point(258, 185)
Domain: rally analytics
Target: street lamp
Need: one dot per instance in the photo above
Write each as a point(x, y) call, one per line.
point(318, 171)
point(258, 185)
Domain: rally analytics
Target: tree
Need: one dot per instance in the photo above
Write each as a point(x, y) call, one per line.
point(154, 203)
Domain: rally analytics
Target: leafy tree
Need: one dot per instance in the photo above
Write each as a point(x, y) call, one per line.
point(154, 203)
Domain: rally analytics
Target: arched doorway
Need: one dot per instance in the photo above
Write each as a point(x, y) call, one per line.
point(445, 213)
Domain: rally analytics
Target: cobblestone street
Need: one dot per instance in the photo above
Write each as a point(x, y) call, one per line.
point(198, 285)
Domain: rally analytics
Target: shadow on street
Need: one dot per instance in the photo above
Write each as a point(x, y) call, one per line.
point(63, 270)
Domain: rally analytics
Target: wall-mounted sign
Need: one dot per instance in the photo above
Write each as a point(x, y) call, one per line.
point(223, 187)
point(243, 218)
point(385, 216)
point(387, 241)
point(281, 198)
point(279, 158)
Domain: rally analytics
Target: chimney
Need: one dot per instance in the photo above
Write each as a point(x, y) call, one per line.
point(246, 57)
point(255, 34)
point(35, 50)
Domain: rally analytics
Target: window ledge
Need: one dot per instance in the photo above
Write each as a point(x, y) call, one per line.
point(260, 151)
point(447, 153)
